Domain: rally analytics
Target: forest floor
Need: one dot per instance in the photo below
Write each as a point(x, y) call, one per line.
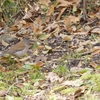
point(63, 58)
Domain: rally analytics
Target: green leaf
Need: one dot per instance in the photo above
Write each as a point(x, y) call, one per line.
point(27, 66)
point(44, 36)
point(68, 91)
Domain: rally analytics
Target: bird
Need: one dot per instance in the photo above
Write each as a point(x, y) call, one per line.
point(18, 49)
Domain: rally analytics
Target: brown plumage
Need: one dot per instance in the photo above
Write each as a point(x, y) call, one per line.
point(18, 49)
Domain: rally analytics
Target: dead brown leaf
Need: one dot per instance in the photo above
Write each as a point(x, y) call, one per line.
point(81, 33)
point(14, 28)
point(77, 82)
point(66, 37)
point(39, 64)
point(45, 2)
point(79, 91)
point(28, 15)
point(96, 51)
point(96, 30)
point(51, 10)
point(93, 64)
point(63, 3)
point(61, 12)
point(3, 93)
point(4, 43)
point(52, 77)
point(41, 58)
point(70, 20)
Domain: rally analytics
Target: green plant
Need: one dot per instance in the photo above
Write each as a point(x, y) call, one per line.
point(62, 71)
point(93, 37)
point(44, 7)
point(8, 8)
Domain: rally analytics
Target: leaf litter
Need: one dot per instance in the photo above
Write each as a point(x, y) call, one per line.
point(63, 59)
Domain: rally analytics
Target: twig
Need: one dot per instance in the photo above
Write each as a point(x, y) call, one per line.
point(89, 23)
point(17, 14)
point(11, 87)
point(33, 22)
point(93, 29)
point(85, 10)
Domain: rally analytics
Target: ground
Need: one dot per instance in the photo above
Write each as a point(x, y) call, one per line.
point(63, 57)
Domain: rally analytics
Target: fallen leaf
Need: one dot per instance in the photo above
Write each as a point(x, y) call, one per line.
point(96, 31)
point(51, 10)
point(25, 58)
point(19, 85)
point(27, 66)
point(48, 47)
point(27, 25)
point(81, 48)
point(70, 20)
point(28, 15)
point(44, 36)
point(77, 82)
point(52, 77)
point(79, 91)
point(93, 64)
point(45, 52)
point(14, 28)
point(45, 2)
point(98, 15)
point(8, 97)
point(40, 58)
point(96, 51)
point(63, 3)
point(61, 12)
point(36, 52)
point(66, 37)
point(39, 64)
point(4, 43)
point(81, 33)
point(3, 93)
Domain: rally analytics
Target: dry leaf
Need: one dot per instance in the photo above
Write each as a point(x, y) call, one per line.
point(63, 3)
point(27, 25)
point(93, 64)
point(39, 64)
point(45, 2)
point(96, 51)
point(76, 2)
point(52, 77)
point(87, 28)
point(66, 37)
point(51, 10)
point(96, 30)
point(36, 52)
point(4, 43)
point(48, 47)
point(79, 92)
point(28, 15)
point(74, 28)
point(40, 58)
point(3, 93)
point(77, 82)
point(98, 15)
point(70, 20)
point(37, 27)
point(14, 28)
point(20, 85)
point(44, 36)
point(81, 33)
point(81, 48)
point(61, 12)
point(25, 58)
